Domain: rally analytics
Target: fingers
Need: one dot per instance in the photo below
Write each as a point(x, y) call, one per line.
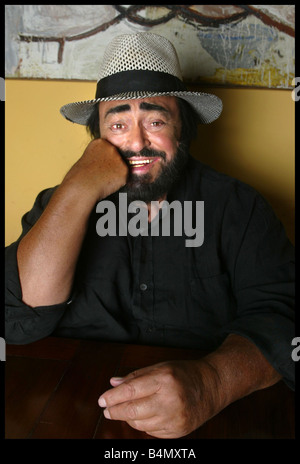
point(142, 415)
point(132, 387)
point(136, 410)
point(155, 400)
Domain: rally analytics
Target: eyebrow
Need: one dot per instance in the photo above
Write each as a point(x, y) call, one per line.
point(143, 106)
point(117, 109)
point(152, 107)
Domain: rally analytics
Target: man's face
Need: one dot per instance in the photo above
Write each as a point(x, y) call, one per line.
point(146, 132)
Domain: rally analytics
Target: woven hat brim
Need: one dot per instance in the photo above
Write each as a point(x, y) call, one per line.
point(207, 106)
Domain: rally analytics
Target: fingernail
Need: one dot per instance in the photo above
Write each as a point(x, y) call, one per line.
point(102, 402)
point(106, 414)
point(116, 380)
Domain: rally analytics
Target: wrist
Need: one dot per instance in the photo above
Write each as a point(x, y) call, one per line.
point(78, 193)
point(238, 368)
point(213, 390)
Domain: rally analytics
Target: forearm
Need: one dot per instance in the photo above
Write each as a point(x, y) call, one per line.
point(48, 253)
point(235, 370)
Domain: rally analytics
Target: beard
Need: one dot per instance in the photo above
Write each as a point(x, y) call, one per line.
point(142, 187)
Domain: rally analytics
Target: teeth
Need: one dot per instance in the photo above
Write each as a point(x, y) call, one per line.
point(139, 163)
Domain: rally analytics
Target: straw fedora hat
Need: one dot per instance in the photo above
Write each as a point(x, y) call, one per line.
point(138, 66)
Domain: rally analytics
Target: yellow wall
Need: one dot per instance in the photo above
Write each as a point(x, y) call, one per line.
point(253, 140)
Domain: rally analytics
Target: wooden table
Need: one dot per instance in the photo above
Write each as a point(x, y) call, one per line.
point(53, 385)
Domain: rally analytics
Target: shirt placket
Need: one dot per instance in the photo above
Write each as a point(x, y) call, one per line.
point(143, 283)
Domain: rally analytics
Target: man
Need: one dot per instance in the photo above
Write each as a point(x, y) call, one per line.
point(231, 296)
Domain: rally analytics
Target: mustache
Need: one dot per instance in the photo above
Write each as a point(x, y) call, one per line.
point(144, 153)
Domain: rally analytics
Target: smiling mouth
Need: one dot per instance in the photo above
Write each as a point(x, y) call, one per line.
point(140, 163)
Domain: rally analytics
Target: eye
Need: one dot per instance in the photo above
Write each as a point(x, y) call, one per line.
point(157, 124)
point(117, 126)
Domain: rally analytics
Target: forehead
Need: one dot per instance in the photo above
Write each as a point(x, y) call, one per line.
point(165, 104)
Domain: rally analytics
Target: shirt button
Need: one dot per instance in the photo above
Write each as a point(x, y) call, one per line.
point(143, 287)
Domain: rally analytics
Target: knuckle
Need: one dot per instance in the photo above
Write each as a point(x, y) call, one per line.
point(169, 375)
point(133, 374)
point(129, 390)
point(132, 411)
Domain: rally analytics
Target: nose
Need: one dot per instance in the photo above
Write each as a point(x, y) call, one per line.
point(137, 139)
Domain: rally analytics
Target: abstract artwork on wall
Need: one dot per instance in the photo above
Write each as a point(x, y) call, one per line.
point(227, 45)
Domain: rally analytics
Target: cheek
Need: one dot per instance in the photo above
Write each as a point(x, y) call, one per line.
point(115, 140)
point(162, 141)
point(165, 143)
point(103, 131)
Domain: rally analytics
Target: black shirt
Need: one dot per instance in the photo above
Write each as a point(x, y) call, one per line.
point(156, 290)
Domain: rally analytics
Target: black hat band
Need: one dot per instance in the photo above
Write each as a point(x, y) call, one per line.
point(136, 81)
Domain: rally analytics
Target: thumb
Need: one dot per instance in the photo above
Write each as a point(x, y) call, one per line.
point(115, 381)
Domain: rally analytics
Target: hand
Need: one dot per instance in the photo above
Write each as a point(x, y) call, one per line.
point(101, 170)
point(167, 400)
point(171, 399)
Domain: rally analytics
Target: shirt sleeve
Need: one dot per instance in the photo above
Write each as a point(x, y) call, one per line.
point(264, 284)
point(24, 324)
